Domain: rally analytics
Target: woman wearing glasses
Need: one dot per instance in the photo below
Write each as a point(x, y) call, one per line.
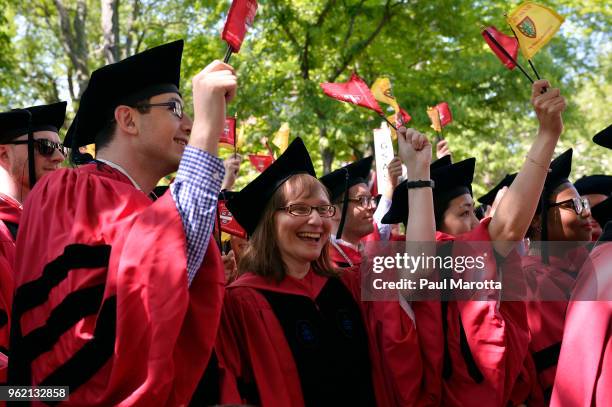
point(293, 330)
point(558, 234)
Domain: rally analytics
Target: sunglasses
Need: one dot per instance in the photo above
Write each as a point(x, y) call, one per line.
point(579, 205)
point(45, 147)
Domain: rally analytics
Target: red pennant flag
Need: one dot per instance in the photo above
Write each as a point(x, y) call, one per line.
point(445, 114)
point(402, 117)
point(228, 223)
point(229, 132)
point(355, 91)
point(241, 14)
point(510, 44)
point(260, 161)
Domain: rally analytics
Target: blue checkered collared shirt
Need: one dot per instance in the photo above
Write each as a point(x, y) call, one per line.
point(195, 191)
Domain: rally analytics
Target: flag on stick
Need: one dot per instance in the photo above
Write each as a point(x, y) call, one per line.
point(228, 138)
point(228, 223)
point(241, 14)
point(509, 44)
point(381, 89)
point(445, 114)
point(355, 91)
point(534, 26)
point(281, 138)
point(261, 161)
point(434, 116)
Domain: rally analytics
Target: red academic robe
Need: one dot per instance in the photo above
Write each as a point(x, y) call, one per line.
point(102, 298)
point(353, 255)
point(584, 371)
point(483, 348)
point(258, 364)
point(547, 318)
point(10, 213)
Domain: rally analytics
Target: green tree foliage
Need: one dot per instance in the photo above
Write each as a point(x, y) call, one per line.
point(431, 50)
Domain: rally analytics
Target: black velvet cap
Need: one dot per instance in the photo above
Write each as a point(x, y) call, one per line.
point(451, 181)
point(248, 205)
point(560, 169)
point(594, 184)
point(358, 172)
point(604, 137)
point(150, 73)
point(602, 212)
point(16, 122)
point(489, 197)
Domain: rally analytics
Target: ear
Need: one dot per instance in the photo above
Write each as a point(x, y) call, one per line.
point(125, 118)
point(4, 156)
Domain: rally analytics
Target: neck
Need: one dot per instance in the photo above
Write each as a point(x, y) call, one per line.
point(11, 188)
point(297, 269)
point(141, 171)
point(350, 237)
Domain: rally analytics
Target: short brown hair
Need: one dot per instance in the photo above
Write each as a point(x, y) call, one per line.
point(262, 256)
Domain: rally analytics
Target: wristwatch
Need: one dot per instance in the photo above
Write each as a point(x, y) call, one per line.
point(421, 184)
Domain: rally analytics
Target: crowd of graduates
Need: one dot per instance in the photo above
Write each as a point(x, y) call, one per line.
point(121, 291)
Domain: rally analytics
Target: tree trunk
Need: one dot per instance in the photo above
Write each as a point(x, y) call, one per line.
point(74, 36)
point(327, 153)
point(110, 30)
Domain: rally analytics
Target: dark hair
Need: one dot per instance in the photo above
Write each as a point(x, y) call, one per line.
point(262, 255)
point(531, 231)
point(105, 135)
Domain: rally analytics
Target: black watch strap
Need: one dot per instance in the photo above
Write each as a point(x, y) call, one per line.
point(420, 184)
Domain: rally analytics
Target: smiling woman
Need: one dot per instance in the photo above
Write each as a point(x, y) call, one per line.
point(293, 330)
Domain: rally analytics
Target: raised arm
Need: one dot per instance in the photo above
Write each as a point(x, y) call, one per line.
point(518, 205)
point(415, 152)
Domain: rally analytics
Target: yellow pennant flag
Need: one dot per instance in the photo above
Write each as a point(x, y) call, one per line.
point(89, 149)
point(381, 89)
point(281, 138)
point(534, 25)
point(434, 116)
point(240, 137)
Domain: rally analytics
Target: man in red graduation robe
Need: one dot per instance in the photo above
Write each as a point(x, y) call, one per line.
point(122, 304)
point(20, 167)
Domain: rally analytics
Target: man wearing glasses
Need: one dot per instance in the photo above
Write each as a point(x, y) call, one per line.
point(355, 206)
point(29, 149)
point(124, 304)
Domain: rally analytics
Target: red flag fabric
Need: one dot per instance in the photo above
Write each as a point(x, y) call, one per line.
point(241, 14)
point(228, 223)
point(402, 117)
point(510, 44)
point(445, 114)
point(229, 132)
point(355, 91)
point(261, 161)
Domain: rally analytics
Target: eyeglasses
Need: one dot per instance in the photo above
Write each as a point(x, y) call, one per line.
point(175, 106)
point(44, 147)
point(324, 211)
point(579, 205)
point(365, 201)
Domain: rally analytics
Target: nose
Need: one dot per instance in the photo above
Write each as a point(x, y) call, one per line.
point(315, 218)
point(57, 156)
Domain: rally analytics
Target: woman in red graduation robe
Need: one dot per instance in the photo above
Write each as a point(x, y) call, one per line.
point(293, 331)
point(551, 271)
point(483, 358)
